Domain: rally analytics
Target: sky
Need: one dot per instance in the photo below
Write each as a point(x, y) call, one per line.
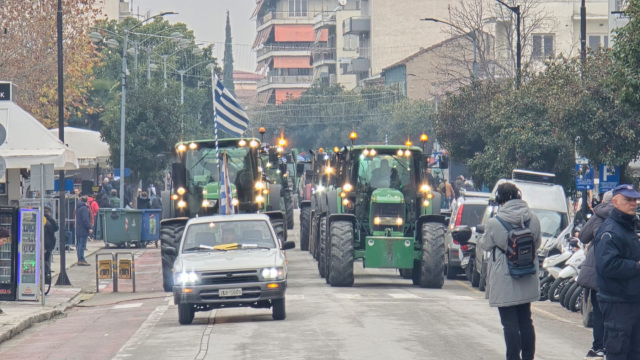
point(207, 20)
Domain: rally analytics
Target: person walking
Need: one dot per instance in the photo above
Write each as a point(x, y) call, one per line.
point(617, 253)
point(83, 228)
point(93, 209)
point(114, 200)
point(50, 228)
point(587, 278)
point(512, 295)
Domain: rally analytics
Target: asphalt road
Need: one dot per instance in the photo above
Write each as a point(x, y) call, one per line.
point(381, 317)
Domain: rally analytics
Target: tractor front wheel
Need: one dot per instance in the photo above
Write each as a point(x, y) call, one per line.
point(170, 236)
point(432, 265)
point(305, 214)
point(322, 250)
point(341, 254)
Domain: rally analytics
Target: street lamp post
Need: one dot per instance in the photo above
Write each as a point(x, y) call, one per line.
point(123, 101)
point(516, 10)
point(473, 36)
point(182, 72)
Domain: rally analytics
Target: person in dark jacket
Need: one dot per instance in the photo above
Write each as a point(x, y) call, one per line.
point(617, 253)
point(84, 228)
point(143, 201)
point(50, 229)
point(588, 273)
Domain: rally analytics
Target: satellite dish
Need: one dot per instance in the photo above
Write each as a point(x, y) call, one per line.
point(342, 2)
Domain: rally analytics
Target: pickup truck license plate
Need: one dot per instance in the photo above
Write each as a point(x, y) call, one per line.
point(230, 292)
point(465, 261)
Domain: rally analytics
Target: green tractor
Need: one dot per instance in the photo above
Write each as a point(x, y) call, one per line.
point(383, 212)
point(196, 190)
point(278, 171)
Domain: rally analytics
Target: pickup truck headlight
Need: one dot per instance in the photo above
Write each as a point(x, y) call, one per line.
point(274, 273)
point(187, 278)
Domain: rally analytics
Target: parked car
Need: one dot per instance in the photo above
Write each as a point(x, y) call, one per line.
point(230, 261)
point(467, 210)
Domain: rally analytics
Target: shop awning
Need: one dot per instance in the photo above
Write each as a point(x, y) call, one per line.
point(30, 143)
point(262, 36)
point(292, 62)
point(295, 33)
point(284, 94)
point(87, 144)
point(257, 10)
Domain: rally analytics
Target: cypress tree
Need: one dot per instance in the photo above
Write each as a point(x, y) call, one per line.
point(227, 70)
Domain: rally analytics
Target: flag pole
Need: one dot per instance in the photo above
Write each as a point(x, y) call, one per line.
point(214, 88)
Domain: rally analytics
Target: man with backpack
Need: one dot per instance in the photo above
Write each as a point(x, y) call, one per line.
point(513, 237)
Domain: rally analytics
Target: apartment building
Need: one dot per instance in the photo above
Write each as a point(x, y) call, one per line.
point(113, 9)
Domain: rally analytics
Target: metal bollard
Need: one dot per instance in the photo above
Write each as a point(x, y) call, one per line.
point(104, 269)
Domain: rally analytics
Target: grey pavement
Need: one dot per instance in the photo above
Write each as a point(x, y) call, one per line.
point(20, 315)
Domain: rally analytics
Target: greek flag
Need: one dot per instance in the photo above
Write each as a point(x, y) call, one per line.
point(228, 114)
point(226, 207)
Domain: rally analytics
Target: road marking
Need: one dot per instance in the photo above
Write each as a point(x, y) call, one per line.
point(404, 296)
point(143, 331)
point(127, 306)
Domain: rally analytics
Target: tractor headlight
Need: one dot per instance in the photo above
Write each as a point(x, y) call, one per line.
point(187, 278)
point(426, 203)
point(425, 188)
point(181, 191)
point(182, 204)
point(235, 202)
point(259, 185)
point(399, 221)
point(347, 187)
point(259, 198)
point(429, 196)
point(372, 152)
point(345, 202)
point(376, 220)
point(174, 197)
point(274, 273)
point(253, 143)
point(320, 188)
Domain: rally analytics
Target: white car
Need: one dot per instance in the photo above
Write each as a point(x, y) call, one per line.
point(230, 261)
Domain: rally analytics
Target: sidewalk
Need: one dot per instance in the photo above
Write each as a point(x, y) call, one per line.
point(20, 315)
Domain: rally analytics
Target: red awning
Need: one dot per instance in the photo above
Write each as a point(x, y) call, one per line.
point(284, 94)
point(295, 33)
point(257, 10)
point(262, 36)
point(292, 62)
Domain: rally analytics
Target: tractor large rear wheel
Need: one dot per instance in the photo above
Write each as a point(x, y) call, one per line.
point(341, 260)
point(170, 236)
point(289, 208)
point(305, 214)
point(322, 234)
point(432, 265)
point(279, 228)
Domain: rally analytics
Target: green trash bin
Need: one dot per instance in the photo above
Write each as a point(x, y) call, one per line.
point(119, 227)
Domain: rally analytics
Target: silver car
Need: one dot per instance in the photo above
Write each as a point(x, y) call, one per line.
point(230, 261)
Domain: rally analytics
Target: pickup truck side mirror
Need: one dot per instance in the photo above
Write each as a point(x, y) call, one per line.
point(288, 245)
point(171, 251)
point(461, 234)
point(480, 229)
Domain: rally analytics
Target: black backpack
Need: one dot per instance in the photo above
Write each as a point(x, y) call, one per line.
point(520, 251)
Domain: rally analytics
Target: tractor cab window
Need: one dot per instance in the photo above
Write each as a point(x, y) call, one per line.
point(384, 171)
point(202, 165)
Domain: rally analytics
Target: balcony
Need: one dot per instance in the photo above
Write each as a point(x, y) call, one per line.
point(284, 82)
point(291, 49)
point(285, 17)
point(323, 57)
point(324, 19)
point(359, 65)
point(356, 25)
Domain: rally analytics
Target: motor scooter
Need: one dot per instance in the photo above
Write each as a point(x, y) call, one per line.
point(565, 276)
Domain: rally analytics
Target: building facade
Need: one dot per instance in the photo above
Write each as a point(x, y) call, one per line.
point(113, 9)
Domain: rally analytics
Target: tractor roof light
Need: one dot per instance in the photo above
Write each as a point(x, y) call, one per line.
point(182, 148)
point(400, 152)
point(320, 151)
point(181, 191)
point(193, 146)
point(353, 136)
point(259, 185)
point(282, 142)
point(424, 137)
point(262, 130)
point(407, 153)
point(336, 149)
point(365, 152)
point(408, 142)
point(242, 143)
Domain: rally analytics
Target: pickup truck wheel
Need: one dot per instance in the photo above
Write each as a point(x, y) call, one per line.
point(186, 313)
point(278, 309)
point(341, 254)
point(432, 265)
point(305, 213)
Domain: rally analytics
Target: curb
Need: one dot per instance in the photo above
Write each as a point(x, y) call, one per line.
point(41, 316)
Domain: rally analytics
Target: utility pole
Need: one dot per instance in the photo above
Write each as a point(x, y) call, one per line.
point(63, 279)
point(516, 11)
point(583, 33)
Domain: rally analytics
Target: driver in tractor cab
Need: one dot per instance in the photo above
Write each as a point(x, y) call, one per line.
point(380, 177)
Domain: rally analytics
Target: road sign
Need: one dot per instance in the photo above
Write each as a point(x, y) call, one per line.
point(584, 177)
point(116, 172)
point(609, 177)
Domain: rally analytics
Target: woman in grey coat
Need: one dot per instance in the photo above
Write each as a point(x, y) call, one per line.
point(512, 295)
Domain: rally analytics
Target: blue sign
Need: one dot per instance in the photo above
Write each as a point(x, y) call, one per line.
point(584, 177)
point(116, 172)
point(609, 177)
point(68, 185)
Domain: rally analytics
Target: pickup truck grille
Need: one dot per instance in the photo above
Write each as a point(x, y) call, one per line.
point(228, 277)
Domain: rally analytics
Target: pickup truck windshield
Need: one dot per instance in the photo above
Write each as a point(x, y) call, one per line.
point(204, 236)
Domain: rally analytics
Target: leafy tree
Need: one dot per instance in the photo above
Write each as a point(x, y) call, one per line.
point(227, 72)
point(626, 55)
point(29, 58)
